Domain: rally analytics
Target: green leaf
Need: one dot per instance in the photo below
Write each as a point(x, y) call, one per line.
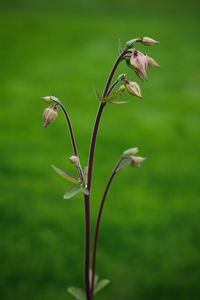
point(85, 175)
point(101, 284)
point(77, 293)
point(65, 175)
point(98, 95)
point(113, 97)
point(118, 102)
point(96, 278)
point(73, 191)
point(85, 191)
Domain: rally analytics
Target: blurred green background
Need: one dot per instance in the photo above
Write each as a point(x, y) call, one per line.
point(149, 240)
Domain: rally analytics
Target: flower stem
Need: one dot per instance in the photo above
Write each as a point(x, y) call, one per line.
point(114, 172)
point(91, 159)
point(70, 129)
point(72, 137)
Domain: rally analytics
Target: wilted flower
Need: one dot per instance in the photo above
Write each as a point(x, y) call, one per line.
point(133, 88)
point(148, 41)
point(136, 161)
point(49, 115)
point(152, 63)
point(138, 62)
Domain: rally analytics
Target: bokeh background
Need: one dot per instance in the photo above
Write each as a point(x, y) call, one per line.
point(150, 235)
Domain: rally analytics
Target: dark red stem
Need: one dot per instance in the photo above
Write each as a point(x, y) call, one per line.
point(93, 142)
point(114, 172)
point(70, 129)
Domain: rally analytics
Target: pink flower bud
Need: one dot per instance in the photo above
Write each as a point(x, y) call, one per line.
point(148, 41)
point(152, 63)
point(138, 61)
point(133, 88)
point(136, 161)
point(49, 115)
point(74, 160)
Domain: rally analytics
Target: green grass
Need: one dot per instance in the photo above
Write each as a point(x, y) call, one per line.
point(149, 240)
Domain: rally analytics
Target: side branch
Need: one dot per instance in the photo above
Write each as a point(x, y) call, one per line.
point(114, 172)
point(70, 129)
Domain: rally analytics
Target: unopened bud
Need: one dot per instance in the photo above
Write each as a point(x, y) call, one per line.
point(122, 88)
point(152, 63)
point(148, 41)
point(49, 115)
point(133, 88)
point(121, 77)
point(47, 99)
point(74, 160)
point(131, 151)
point(136, 161)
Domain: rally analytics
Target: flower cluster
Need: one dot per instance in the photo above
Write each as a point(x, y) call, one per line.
point(137, 61)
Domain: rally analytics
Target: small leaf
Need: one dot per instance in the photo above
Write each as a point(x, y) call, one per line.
point(118, 102)
point(77, 293)
point(85, 175)
point(98, 95)
point(101, 284)
point(85, 191)
point(125, 164)
point(65, 175)
point(113, 97)
point(96, 278)
point(73, 191)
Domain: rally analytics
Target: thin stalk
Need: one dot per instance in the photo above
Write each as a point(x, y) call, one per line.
point(87, 247)
point(90, 164)
point(114, 172)
point(112, 87)
point(70, 129)
point(72, 137)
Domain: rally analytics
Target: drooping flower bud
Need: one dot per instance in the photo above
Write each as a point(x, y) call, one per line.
point(148, 41)
point(136, 161)
point(138, 61)
point(74, 160)
point(152, 63)
point(131, 151)
point(49, 115)
point(133, 88)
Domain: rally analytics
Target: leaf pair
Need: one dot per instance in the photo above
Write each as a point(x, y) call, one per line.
point(113, 98)
point(75, 189)
point(79, 294)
